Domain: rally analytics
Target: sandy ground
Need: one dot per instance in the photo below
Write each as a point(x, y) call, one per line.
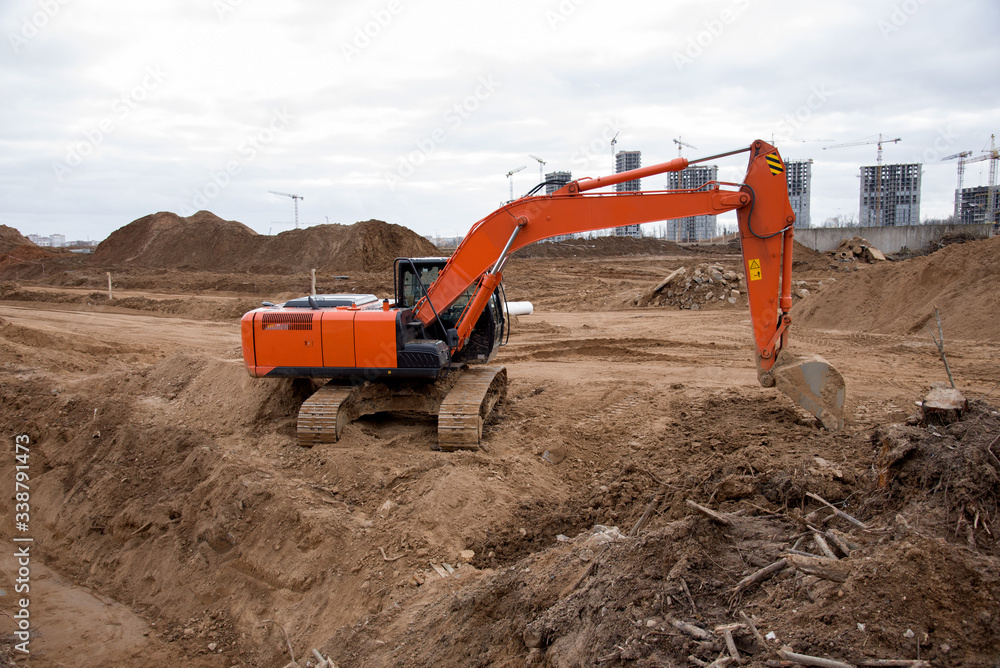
point(174, 514)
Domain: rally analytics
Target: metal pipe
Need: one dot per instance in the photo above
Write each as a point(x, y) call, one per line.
point(498, 265)
point(719, 155)
point(675, 165)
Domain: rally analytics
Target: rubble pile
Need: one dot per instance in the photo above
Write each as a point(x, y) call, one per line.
point(858, 249)
point(705, 284)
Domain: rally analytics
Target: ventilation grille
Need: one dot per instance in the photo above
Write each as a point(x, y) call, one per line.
point(286, 321)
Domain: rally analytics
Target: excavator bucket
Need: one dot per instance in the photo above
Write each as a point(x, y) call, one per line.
point(813, 383)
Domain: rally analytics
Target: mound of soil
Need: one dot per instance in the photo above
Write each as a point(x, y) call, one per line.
point(28, 252)
point(601, 247)
point(205, 242)
point(962, 281)
point(904, 586)
point(165, 239)
point(11, 238)
point(805, 258)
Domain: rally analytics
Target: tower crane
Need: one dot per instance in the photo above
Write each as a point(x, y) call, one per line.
point(681, 144)
point(786, 140)
point(295, 199)
point(993, 155)
point(878, 170)
point(510, 178)
point(614, 140)
point(961, 175)
point(541, 164)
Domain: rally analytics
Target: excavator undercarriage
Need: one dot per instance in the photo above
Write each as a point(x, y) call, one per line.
point(463, 401)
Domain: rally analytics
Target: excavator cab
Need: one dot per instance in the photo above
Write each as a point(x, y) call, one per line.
point(413, 278)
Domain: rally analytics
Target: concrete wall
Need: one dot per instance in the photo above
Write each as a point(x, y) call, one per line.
point(886, 239)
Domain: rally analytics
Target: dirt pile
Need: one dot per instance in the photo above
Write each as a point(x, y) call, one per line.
point(165, 239)
point(654, 592)
point(806, 259)
point(600, 247)
point(947, 476)
point(962, 281)
point(11, 238)
point(205, 242)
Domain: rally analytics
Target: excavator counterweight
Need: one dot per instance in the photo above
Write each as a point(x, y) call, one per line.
point(426, 350)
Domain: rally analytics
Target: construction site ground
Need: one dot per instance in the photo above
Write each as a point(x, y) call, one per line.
point(177, 522)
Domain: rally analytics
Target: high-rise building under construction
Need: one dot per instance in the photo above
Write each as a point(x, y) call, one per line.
point(692, 228)
point(799, 176)
point(891, 196)
point(624, 161)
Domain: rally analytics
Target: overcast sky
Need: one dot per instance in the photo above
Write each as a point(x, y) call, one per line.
point(413, 111)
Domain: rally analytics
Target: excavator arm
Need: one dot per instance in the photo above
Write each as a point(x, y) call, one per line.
point(765, 227)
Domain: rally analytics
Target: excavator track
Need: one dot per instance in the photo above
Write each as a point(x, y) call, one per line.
point(324, 415)
point(467, 406)
point(462, 401)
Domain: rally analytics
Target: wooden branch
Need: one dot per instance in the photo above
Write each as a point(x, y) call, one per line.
point(823, 546)
point(653, 505)
point(806, 660)
point(695, 632)
point(753, 627)
point(721, 519)
point(687, 592)
point(939, 342)
point(727, 634)
point(385, 558)
point(840, 513)
point(759, 576)
point(838, 542)
point(821, 567)
point(989, 451)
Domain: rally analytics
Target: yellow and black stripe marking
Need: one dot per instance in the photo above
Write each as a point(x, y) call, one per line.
point(774, 162)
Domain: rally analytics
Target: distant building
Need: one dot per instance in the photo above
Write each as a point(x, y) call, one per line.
point(553, 182)
point(799, 176)
point(625, 161)
point(974, 207)
point(890, 197)
point(39, 240)
point(58, 240)
point(556, 180)
point(692, 228)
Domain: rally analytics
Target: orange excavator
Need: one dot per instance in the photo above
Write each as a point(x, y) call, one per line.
point(429, 349)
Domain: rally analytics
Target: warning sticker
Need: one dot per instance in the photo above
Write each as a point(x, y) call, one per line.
point(774, 162)
point(754, 270)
